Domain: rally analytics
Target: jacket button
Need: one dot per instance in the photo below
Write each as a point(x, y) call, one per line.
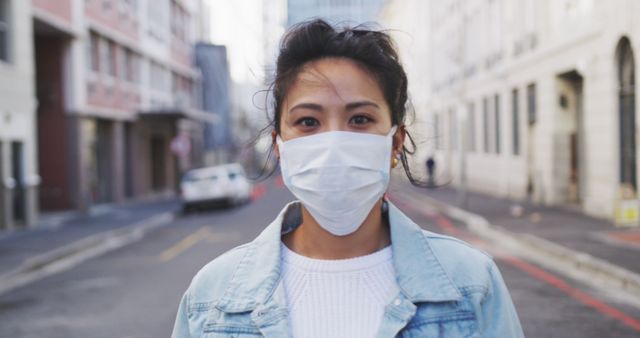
point(397, 302)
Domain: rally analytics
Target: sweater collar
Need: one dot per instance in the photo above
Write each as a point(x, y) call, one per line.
point(420, 275)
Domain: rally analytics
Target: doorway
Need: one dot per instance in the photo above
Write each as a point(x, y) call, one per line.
point(104, 161)
point(158, 163)
point(19, 193)
point(569, 135)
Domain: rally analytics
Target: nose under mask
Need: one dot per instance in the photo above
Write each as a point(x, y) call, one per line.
point(337, 175)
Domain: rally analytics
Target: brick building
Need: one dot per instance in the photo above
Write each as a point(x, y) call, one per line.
point(116, 84)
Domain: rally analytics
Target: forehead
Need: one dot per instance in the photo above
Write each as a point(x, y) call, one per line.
point(337, 79)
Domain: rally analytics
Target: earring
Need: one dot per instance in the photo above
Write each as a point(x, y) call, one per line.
point(394, 162)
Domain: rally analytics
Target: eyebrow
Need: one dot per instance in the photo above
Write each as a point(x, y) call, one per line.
point(349, 106)
point(311, 106)
point(358, 104)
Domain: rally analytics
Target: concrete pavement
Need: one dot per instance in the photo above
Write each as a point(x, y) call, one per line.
point(64, 240)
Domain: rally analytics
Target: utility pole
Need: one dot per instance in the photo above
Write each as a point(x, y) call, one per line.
point(462, 115)
point(462, 191)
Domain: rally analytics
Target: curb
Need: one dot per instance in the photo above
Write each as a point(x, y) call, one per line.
point(71, 255)
point(586, 268)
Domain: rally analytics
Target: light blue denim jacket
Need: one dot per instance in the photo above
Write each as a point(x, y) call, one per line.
point(447, 288)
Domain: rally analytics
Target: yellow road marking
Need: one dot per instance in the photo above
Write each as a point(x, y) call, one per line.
point(185, 244)
point(221, 237)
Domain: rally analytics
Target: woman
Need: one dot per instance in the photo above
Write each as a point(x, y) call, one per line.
point(343, 261)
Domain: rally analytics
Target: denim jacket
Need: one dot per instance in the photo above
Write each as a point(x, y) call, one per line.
point(447, 288)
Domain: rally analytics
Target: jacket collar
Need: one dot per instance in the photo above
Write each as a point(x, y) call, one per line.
point(418, 270)
point(419, 273)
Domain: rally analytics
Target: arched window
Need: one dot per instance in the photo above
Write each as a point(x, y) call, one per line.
point(626, 99)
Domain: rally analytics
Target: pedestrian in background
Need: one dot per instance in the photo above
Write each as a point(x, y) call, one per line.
point(342, 260)
point(431, 166)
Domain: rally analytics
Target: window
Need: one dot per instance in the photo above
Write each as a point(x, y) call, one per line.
point(471, 135)
point(128, 66)
point(515, 121)
point(112, 59)
point(496, 110)
point(174, 18)
point(157, 20)
point(179, 22)
point(153, 75)
point(485, 124)
point(160, 78)
point(4, 30)
point(175, 83)
point(89, 50)
point(136, 64)
point(121, 54)
point(93, 59)
point(104, 56)
point(531, 103)
point(129, 11)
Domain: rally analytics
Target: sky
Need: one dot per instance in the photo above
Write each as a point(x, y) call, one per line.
point(238, 25)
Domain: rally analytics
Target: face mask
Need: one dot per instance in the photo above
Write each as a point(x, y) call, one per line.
point(337, 175)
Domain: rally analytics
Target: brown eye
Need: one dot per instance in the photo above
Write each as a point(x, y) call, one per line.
point(360, 119)
point(307, 122)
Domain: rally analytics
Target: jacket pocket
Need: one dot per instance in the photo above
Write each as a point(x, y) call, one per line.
point(459, 324)
point(230, 331)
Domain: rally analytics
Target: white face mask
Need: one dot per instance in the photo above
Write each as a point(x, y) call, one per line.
point(337, 175)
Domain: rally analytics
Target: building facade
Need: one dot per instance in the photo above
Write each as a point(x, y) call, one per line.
point(216, 82)
point(119, 97)
point(19, 178)
point(535, 99)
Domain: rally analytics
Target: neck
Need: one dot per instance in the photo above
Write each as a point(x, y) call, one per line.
point(311, 240)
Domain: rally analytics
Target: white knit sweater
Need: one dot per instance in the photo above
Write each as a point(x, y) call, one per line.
point(337, 298)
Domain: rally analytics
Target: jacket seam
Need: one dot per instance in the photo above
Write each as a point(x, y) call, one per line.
point(426, 248)
point(452, 317)
point(456, 240)
point(466, 290)
point(487, 292)
point(232, 281)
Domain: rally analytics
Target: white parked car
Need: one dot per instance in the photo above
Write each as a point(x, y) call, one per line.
point(226, 184)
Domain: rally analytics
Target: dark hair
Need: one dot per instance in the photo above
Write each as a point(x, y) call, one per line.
point(313, 40)
point(374, 50)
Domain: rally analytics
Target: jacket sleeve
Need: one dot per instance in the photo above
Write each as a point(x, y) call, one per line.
point(181, 327)
point(498, 317)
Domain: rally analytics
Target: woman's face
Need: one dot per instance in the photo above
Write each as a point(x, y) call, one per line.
point(334, 94)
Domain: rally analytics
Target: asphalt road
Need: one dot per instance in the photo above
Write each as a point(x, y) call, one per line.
point(134, 291)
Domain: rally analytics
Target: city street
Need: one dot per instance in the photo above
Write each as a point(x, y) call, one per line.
point(134, 291)
point(119, 117)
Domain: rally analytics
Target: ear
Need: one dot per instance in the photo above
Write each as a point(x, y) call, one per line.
point(274, 135)
point(398, 138)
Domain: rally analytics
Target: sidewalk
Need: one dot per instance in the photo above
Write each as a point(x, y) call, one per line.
point(561, 238)
point(571, 229)
point(62, 235)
